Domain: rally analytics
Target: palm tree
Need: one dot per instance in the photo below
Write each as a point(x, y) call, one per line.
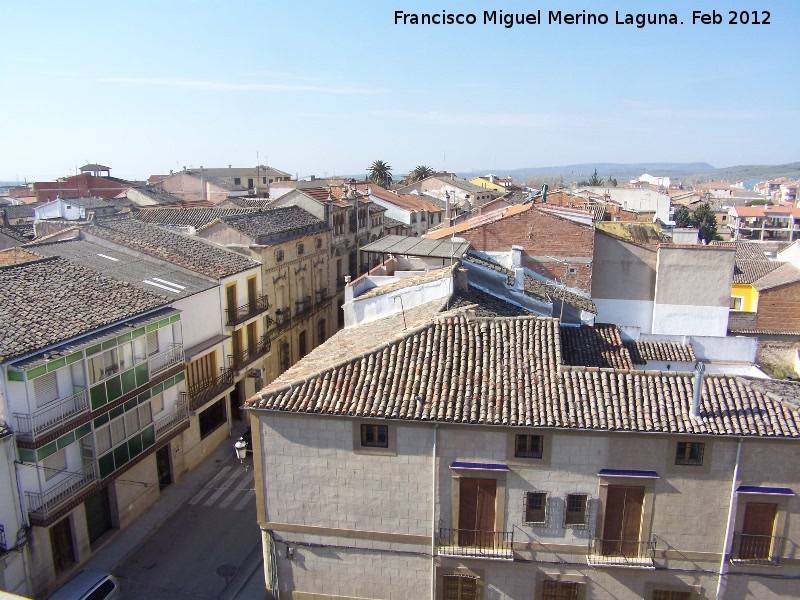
point(380, 173)
point(419, 173)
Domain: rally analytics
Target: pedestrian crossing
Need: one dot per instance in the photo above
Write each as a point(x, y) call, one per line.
point(232, 488)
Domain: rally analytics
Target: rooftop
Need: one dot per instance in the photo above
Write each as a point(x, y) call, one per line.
point(402, 245)
point(49, 301)
point(751, 262)
point(185, 217)
point(285, 220)
point(507, 371)
point(184, 251)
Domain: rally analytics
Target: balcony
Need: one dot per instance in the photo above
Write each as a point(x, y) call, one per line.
point(621, 553)
point(203, 391)
point(757, 549)
point(52, 416)
point(476, 544)
point(173, 419)
point(247, 356)
point(340, 283)
point(302, 307)
point(322, 295)
point(41, 505)
point(164, 360)
point(282, 316)
point(240, 314)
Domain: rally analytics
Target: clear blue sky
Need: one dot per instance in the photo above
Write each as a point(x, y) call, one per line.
point(328, 87)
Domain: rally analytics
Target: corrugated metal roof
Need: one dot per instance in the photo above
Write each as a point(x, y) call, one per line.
point(414, 246)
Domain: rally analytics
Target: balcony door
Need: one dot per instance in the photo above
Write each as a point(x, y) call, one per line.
point(623, 520)
point(757, 529)
point(230, 300)
point(252, 295)
point(476, 512)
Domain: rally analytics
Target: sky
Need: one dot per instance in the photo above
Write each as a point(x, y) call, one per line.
point(326, 88)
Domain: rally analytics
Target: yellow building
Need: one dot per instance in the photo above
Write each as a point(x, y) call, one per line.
point(490, 182)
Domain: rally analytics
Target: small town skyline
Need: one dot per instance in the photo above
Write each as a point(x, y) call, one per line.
point(334, 88)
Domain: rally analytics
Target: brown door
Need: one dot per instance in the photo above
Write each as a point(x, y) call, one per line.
point(230, 294)
point(251, 338)
point(459, 587)
point(476, 512)
point(623, 520)
point(236, 338)
point(251, 294)
point(61, 543)
point(759, 523)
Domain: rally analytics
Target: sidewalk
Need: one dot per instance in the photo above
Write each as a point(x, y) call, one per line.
point(121, 544)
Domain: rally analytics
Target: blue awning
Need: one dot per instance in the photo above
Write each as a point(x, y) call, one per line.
point(758, 489)
point(481, 466)
point(627, 473)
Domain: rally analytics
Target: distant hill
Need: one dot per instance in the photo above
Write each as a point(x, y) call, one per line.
point(684, 172)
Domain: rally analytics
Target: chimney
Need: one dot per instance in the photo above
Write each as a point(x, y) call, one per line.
point(516, 257)
point(697, 390)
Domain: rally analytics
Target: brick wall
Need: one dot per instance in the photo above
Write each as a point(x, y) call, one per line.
point(541, 235)
point(779, 308)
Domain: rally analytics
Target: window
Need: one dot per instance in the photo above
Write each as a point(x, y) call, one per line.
point(321, 331)
point(55, 464)
point(535, 508)
point(102, 366)
point(102, 591)
point(575, 513)
point(528, 446)
point(45, 389)
point(264, 180)
point(278, 255)
point(301, 249)
point(318, 243)
point(737, 302)
point(668, 595)
point(152, 343)
point(559, 590)
point(459, 587)
point(117, 428)
point(103, 438)
point(212, 418)
point(285, 357)
point(375, 436)
point(689, 453)
point(237, 181)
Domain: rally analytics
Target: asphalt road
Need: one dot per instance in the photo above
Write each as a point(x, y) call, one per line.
point(210, 548)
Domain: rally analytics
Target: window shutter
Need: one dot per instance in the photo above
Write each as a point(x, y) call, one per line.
point(45, 389)
point(152, 343)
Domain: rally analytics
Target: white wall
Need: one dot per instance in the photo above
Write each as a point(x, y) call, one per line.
point(13, 572)
point(634, 313)
point(201, 316)
point(382, 305)
point(684, 318)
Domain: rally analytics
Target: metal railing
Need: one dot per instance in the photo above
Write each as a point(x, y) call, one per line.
point(322, 295)
point(164, 360)
point(51, 416)
point(241, 359)
point(282, 316)
point(256, 306)
point(479, 544)
point(757, 549)
point(175, 417)
point(340, 283)
point(625, 553)
point(203, 391)
point(302, 307)
point(41, 504)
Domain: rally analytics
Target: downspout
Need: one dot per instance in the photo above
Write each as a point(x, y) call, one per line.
point(731, 508)
point(433, 515)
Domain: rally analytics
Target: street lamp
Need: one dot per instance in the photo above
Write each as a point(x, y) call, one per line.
point(241, 450)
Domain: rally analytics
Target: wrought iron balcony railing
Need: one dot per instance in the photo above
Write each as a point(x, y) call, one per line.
point(254, 306)
point(169, 421)
point(242, 359)
point(164, 360)
point(203, 391)
point(757, 549)
point(282, 316)
point(477, 544)
point(624, 553)
point(302, 307)
point(322, 295)
point(51, 416)
point(340, 283)
point(42, 504)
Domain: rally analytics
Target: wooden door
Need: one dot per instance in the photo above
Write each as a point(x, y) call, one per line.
point(230, 294)
point(476, 512)
point(251, 294)
point(757, 529)
point(236, 339)
point(623, 520)
point(61, 544)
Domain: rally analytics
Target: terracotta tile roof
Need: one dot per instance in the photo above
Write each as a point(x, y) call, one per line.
point(52, 300)
point(186, 217)
point(643, 352)
point(485, 305)
point(404, 201)
point(506, 371)
point(599, 346)
point(188, 252)
point(765, 211)
point(158, 195)
point(785, 274)
point(19, 233)
point(285, 220)
point(246, 202)
point(751, 263)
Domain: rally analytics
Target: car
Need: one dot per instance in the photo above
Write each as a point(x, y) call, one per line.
point(88, 585)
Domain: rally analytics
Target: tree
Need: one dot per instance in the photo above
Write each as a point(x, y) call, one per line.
point(705, 220)
point(682, 217)
point(419, 173)
point(593, 181)
point(380, 173)
point(611, 182)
